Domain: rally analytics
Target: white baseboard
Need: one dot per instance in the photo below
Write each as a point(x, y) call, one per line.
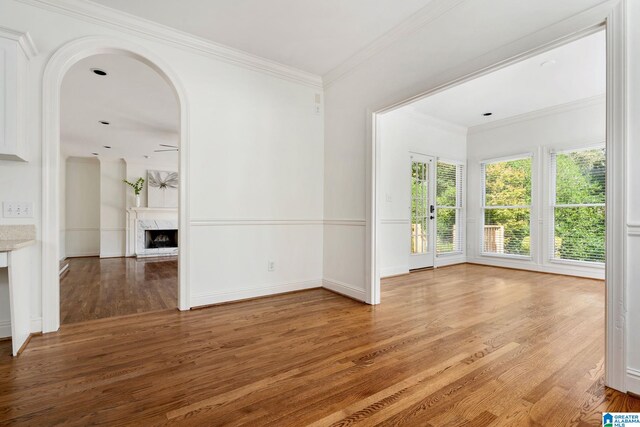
point(115, 255)
point(344, 289)
point(82, 255)
point(5, 327)
point(531, 266)
point(443, 261)
point(220, 297)
point(633, 380)
point(394, 271)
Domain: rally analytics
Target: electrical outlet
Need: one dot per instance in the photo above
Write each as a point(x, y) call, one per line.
point(17, 209)
point(271, 265)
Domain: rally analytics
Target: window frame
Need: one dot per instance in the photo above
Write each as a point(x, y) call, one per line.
point(460, 208)
point(484, 207)
point(551, 206)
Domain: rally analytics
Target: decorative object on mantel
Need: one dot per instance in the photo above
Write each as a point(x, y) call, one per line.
point(137, 188)
point(162, 191)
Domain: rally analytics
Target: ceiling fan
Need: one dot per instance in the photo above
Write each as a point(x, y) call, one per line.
point(169, 148)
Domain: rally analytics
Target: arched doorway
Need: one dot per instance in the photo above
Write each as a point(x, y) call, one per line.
point(56, 69)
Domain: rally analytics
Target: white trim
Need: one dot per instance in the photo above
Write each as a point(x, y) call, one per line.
point(24, 40)
point(423, 17)
point(613, 13)
point(616, 262)
point(509, 158)
point(633, 229)
point(450, 258)
point(397, 270)
point(344, 289)
point(579, 148)
point(5, 327)
point(255, 221)
point(426, 120)
point(520, 264)
point(80, 255)
point(98, 14)
point(57, 66)
point(548, 111)
point(398, 221)
point(209, 298)
point(633, 380)
point(346, 222)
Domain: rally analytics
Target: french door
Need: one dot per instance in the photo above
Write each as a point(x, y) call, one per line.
point(422, 211)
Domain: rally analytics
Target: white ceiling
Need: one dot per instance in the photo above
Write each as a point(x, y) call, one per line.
point(311, 35)
point(140, 106)
point(578, 72)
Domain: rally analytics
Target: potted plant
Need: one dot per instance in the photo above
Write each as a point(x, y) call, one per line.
point(137, 188)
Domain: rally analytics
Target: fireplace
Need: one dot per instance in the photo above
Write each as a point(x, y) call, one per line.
point(160, 239)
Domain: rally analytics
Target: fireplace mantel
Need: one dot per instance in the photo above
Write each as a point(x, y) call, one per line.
point(140, 219)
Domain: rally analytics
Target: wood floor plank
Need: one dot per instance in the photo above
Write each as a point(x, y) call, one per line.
point(463, 345)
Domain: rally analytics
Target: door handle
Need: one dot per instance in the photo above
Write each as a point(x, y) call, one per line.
point(431, 217)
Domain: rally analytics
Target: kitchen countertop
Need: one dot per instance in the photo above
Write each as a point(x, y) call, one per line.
point(12, 245)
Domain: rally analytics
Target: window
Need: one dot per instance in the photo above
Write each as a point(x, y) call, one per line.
point(507, 207)
point(419, 207)
point(449, 221)
point(577, 205)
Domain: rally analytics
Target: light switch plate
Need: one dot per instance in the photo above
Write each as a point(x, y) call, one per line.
point(17, 209)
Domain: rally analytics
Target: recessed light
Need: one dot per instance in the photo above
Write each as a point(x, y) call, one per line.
point(102, 122)
point(106, 146)
point(487, 114)
point(548, 63)
point(99, 72)
point(95, 154)
point(147, 157)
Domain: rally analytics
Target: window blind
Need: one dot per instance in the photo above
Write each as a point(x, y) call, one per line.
point(506, 197)
point(577, 230)
point(449, 221)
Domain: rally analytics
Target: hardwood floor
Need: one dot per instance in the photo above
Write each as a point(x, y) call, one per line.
point(94, 288)
point(463, 345)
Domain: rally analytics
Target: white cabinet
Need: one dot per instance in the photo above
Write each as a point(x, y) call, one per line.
point(16, 49)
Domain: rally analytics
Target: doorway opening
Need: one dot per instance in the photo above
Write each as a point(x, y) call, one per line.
point(119, 158)
point(522, 181)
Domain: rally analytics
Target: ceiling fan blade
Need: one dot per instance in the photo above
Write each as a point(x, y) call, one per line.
point(160, 151)
point(165, 145)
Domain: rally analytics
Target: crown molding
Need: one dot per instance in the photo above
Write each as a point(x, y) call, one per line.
point(103, 15)
point(556, 109)
point(432, 11)
point(425, 119)
point(24, 40)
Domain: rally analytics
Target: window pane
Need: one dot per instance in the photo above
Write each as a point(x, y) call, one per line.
point(508, 183)
point(506, 231)
point(580, 233)
point(448, 237)
point(446, 182)
point(580, 177)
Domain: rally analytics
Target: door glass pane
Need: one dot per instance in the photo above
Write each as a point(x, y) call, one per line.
point(419, 207)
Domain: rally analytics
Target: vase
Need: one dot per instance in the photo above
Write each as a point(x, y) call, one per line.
point(137, 200)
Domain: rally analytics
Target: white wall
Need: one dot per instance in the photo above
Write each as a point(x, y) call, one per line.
point(112, 208)
point(82, 219)
point(467, 38)
point(256, 156)
point(403, 131)
point(572, 126)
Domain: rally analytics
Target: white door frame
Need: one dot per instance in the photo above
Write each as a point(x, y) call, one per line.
point(56, 69)
point(414, 262)
point(611, 14)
